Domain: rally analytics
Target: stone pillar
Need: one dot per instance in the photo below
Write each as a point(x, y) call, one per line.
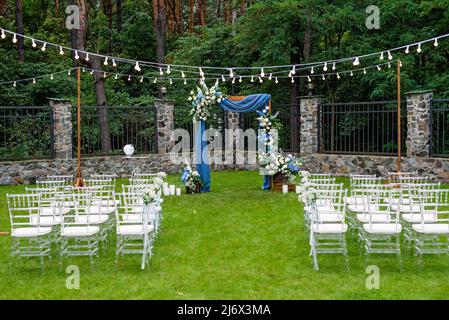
point(62, 128)
point(309, 124)
point(232, 124)
point(165, 125)
point(419, 105)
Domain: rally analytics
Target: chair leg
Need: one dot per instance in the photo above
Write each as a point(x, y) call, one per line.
point(145, 248)
point(345, 253)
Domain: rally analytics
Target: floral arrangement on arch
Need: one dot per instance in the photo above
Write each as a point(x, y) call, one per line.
point(265, 125)
point(203, 100)
point(191, 179)
point(274, 163)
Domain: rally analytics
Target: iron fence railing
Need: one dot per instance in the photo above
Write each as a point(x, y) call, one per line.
point(287, 125)
point(439, 128)
point(361, 128)
point(134, 125)
point(26, 132)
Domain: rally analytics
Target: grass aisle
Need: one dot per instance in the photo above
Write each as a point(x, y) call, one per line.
point(237, 242)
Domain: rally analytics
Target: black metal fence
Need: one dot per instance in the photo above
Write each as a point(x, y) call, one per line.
point(439, 128)
point(134, 125)
point(361, 128)
point(287, 124)
point(25, 132)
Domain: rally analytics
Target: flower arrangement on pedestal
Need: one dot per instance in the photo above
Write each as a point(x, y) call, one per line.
point(265, 125)
point(203, 100)
point(276, 163)
point(191, 179)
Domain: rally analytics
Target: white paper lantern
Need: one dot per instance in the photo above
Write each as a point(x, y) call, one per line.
point(129, 150)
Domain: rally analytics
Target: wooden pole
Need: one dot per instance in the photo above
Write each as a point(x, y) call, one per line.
point(399, 116)
point(79, 180)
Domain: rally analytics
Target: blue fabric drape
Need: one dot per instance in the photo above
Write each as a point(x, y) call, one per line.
point(249, 103)
point(202, 161)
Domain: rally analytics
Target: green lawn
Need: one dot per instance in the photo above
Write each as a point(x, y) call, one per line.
point(237, 242)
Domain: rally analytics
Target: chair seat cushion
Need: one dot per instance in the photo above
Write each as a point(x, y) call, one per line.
point(376, 217)
point(30, 232)
point(50, 211)
point(46, 221)
point(433, 228)
point(132, 230)
point(383, 228)
point(363, 208)
point(102, 210)
point(106, 203)
point(330, 217)
point(406, 207)
point(417, 217)
point(93, 219)
point(355, 200)
point(329, 228)
point(79, 231)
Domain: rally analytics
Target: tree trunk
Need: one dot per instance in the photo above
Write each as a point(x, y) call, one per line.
point(160, 22)
point(79, 43)
point(3, 7)
point(19, 23)
point(191, 15)
point(109, 5)
point(243, 7)
point(57, 8)
point(217, 12)
point(119, 5)
point(178, 16)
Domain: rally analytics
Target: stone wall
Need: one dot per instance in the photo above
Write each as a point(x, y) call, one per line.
point(62, 128)
point(419, 106)
point(309, 124)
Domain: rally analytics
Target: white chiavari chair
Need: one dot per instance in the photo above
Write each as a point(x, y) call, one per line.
point(29, 238)
point(327, 236)
point(68, 179)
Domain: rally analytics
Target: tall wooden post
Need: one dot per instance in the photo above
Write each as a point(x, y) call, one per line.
point(79, 180)
point(399, 116)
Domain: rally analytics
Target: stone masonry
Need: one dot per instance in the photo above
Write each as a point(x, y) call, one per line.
point(418, 123)
point(308, 119)
point(165, 125)
point(62, 128)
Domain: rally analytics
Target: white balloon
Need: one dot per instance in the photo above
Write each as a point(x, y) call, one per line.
point(129, 150)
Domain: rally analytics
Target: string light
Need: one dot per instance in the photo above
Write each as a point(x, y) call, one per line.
point(262, 73)
point(104, 75)
point(260, 80)
point(183, 74)
point(14, 39)
point(400, 63)
point(407, 50)
point(201, 73)
point(15, 84)
point(34, 81)
point(185, 81)
point(51, 77)
point(334, 67)
point(252, 78)
point(325, 67)
point(171, 81)
point(233, 80)
point(3, 36)
point(389, 65)
point(378, 68)
point(338, 76)
point(44, 47)
point(141, 80)
point(105, 61)
point(240, 79)
point(364, 71)
point(168, 69)
point(137, 67)
point(114, 64)
point(352, 73)
point(231, 73)
point(129, 78)
point(92, 72)
point(276, 80)
point(419, 48)
point(87, 56)
point(435, 44)
point(61, 52)
point(77, 57)
point(312, 71)
point(381, 56)
point(270, 76)
point(33, 44)
point(323, 77)
point(356, 61)
point(309, 79)
point(293, 80)
point(69, 73)
point(161, 72)
point(155, 80)
point(116, 77)
point(222, 78)
point(390, 57)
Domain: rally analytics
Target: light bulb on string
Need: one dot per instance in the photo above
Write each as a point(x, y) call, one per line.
point(325, 67)
point(260, 80)
point(364, 71)
point(293, 70)
point(270, 76)
point(233, 80)
point(276, 80)
point(137, 67)
point(14, 39)
point(436, 42)
point(87, 56)
point(333, 67)
point(161, 72)
point(183, 74)
point(168, 69)
point(338, 76)
point(390, 57)
point(223, 78)
point(262, 73)
point(290, 74)
point(356, 61)
point(381, 56)
point(231, 73)
point(141, 80)
point(33, 43)
point(34, 81)
point(185, 81)
point(52, 77)
point(407, 50)
point(323, 77)
point(116, 76)
point(77, 57)
point(44, 47)
point(352, 73)
point(419, 48)
point(114, 64)
point(171, 81)
point(252, 78)
point(3, 36)
point(389, 65)
point(61, 52)
point(15, 84)
point(378, 67)
point(69, 73)
point(400, 63)
point(293, 79)
point(312, 71)
point(106, 61)
point(240, 79)
point(129, 78)
point(217, 82)
point(155, 80)
point(92, 72)
point(201, 73)
point(309, 79)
